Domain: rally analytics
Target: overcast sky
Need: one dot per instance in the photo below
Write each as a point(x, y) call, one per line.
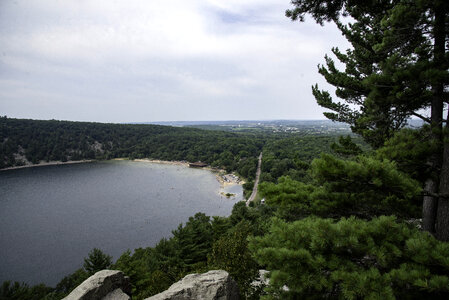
point(159, 60)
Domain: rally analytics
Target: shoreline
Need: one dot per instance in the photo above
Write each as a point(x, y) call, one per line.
point(49, 163)
point(158, 161)
point(225, 179)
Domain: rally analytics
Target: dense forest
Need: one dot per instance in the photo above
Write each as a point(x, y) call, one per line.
point(342, 218)
point(32, 141)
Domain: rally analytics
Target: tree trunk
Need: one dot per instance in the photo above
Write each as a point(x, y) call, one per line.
point(439, 33)
point(442, 225)
point(430, 204)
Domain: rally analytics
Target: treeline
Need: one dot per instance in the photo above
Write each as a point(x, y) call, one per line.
point(25, 141)
point(291, 154)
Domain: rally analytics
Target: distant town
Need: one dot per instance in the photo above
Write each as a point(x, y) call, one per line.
point(266, 126)
point(308, 127)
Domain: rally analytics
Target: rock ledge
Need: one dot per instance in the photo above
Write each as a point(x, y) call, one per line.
point(103, 285)
point(213, 285)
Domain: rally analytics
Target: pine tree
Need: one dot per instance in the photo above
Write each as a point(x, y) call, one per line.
point(352, 259)
point(97, 261)
point(346, 147)
point(397, 67)
point(194, 240)
point(364, 187)
point(230, 253)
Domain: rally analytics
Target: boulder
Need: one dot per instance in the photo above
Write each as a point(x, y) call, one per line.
point(103, 285)
point(213, 285)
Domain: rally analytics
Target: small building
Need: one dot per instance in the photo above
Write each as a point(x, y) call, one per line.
point(197, 164)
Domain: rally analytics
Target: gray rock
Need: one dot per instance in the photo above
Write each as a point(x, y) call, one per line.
point(105, 284)
point(213, 285)
point(117, 294)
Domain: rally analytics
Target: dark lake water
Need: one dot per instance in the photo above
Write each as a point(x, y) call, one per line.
point(51, 217)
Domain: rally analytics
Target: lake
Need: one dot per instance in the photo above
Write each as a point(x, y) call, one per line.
point(52, 216)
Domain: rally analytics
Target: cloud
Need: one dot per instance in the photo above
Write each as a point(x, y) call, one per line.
point(237, 59)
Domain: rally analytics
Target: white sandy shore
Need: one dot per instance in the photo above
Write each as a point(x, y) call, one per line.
point(48, 163)
point(219, 173)
point(165, 162)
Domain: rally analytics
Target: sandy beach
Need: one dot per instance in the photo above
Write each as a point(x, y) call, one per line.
point(157, 161)
point(223, 178)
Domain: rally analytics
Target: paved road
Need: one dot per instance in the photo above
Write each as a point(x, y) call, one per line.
point(256, 182)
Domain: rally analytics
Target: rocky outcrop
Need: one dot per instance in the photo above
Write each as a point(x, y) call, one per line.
point(113, 285)
point(213, 285)
point(103, 285)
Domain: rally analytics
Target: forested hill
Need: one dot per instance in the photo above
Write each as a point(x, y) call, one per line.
point(33, 141)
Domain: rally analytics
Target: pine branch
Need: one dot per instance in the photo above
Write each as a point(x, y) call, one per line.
point(421, 117)
point(435, 195)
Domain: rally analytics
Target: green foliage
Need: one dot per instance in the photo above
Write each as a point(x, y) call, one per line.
point(352, 259)
point(158, 282)
point(165, 257)
point(362, 174)
point(363, 187)
point(346, 147)
point(291, 198)
point(291, 156)
point(230, 253)
point(136, 270)
point(70, 282)
point(410, 150)
point(239, 213)
point(248, 189)
point(151, 270)
point(96, 261)
point(255, 217)
point(21, 291)
point(194, 241)
point(397, 67)
point(220, 225)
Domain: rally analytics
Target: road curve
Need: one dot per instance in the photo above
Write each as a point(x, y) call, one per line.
point(256, 182)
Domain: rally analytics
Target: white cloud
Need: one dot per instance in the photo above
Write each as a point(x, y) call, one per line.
point(186, 53)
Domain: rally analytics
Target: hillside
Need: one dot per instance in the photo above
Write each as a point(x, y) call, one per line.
point(32, 141)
